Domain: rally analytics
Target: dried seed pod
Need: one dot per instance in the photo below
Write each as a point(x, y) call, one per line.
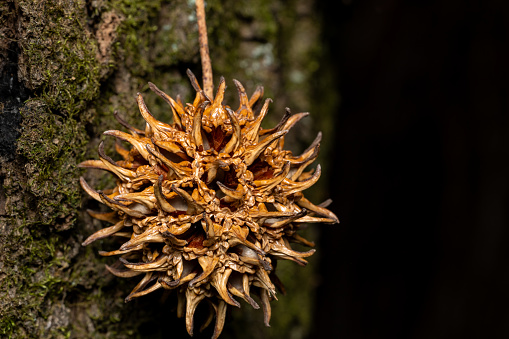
point(208, 202)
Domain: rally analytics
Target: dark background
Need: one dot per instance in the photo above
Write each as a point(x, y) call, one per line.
point(420, 182)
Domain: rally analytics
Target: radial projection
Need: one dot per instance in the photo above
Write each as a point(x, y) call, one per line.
point(208, 203)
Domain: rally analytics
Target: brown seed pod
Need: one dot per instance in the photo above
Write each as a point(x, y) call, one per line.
point(208, 203)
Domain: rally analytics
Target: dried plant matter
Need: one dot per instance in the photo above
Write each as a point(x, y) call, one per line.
point(208, 203)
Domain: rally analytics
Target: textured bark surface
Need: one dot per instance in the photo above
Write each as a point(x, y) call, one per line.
point(65, 67)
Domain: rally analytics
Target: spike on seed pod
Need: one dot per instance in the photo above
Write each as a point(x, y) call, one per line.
point(206, 208)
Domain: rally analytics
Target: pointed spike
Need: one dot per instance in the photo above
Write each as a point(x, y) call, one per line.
point(150, 235)
point(188, 278)
point(161, 199)
point(234, 290)
point(173, 239)
point(281, 250)
point(200, 99)
point(180, 171)
point(122, 273)
point(252, 257)
point(118, 206)
point(252, 261)
point(120, 252)
point(234, 194)
point(282, 223)
point(220, 318)
point(193, 300)
point(237, 289)
point(325, 204)
point(126, 125)
point(167, 283)
point(208, 264)
point(258, 94)
point(260, 147)
point(282, 123)
point(239, 240)
point(315, 142)
point(309, 151)
point(251, 301)
point(177, 110)
point(144, 198)
point(171, 102)
point(170, 146)
point(110, 217)
point(244, 110)
point(137, 142)
point(294, 187)
point(280, 126)
point(196, 132)
point(264, 296)
point(300, 240)
point(303, 202)
point(93, 193)
point(196, 85)
point(104, 156)
point(304, 164)
point(218, 100)
point(246, 286)
point(308, 219)
point(292, 120)
point(266, 185)
point(275, 214)
point(113, 204)
point(161, 262)
point(156, 125)
point(263, 277)
point(194, 81)
point(193, 206)
point(252, 133)
point(124, 174)
point(220, 281)
point(103, 233)
point(234, 142)
point(97, 164)
point(143, 282)
point(151, 289)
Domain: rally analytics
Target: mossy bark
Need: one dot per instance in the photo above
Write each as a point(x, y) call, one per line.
point(65, 67)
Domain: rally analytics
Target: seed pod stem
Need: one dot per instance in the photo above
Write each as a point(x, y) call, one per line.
point(208, 84)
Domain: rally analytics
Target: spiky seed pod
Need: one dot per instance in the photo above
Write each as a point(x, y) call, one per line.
point(208, 202)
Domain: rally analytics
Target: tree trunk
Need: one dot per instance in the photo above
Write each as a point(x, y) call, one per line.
point(65, 67)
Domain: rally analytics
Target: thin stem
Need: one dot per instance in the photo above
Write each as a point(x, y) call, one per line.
point(206, 66)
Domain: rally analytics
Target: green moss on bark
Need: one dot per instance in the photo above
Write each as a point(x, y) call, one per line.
point(40, 196)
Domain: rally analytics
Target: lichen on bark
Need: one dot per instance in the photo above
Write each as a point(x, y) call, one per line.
point(64, 68)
